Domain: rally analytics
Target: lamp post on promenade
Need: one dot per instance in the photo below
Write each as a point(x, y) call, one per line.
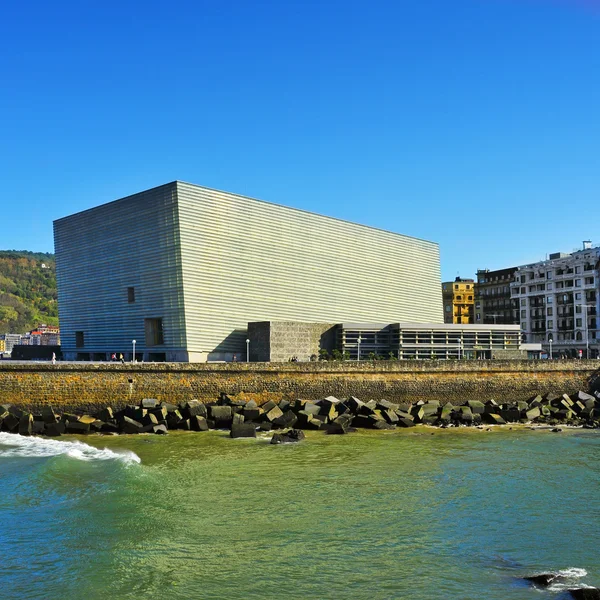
point(358, 348)
point(247, 350)
point(550, 340)
point(133, 355)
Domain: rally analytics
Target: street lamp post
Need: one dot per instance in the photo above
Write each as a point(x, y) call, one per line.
point(247, 350)
point(133, 356)
point(550, 339)
point(358, 348)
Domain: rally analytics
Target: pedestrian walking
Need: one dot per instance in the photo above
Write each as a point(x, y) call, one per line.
point(121, 358)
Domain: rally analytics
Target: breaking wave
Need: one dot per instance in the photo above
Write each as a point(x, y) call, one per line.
point(13, 445)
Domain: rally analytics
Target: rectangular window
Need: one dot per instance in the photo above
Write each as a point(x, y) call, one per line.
point(578, 322)
point(130, 295)
point(523, 301)
point(548, 274)
point(523, 314)
point(549, 300)
point(578, 270)
point(550, 324)
point(549, 311)
point(578, 283)
point(548, 286)
point(153, 329)
point(79, 341)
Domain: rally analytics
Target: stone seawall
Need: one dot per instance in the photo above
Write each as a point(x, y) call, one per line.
point(70, 386)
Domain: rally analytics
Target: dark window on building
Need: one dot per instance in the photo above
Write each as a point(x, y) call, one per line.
point(79, 341)
point(130, 295)
point(154, 332)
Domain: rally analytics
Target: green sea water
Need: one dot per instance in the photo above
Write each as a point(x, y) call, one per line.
point(417, 513)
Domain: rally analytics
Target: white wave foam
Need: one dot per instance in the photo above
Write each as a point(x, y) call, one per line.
point(13, 445)
point(566, 580)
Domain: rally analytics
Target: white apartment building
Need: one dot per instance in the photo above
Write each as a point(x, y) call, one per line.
point(558, 302)
point(10, 340)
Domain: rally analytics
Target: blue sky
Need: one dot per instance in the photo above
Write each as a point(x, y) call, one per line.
point(472, 123)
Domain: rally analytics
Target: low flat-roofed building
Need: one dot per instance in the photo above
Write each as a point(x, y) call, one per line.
point(277, 341)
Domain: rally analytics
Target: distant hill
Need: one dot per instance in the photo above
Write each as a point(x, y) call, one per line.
point(27, 290)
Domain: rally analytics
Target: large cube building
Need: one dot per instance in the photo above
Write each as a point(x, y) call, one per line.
point(182, 269)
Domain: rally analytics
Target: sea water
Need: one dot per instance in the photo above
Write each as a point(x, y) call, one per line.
point(419, 513)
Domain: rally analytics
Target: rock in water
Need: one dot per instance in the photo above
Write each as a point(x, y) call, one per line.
point(543, 579)
point(291, 436)
point(585, 593)
point(243, 430)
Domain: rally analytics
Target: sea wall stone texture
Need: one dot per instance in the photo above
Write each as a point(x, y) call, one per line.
point(88, 386)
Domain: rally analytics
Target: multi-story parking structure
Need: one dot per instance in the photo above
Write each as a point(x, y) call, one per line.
point(559, 302)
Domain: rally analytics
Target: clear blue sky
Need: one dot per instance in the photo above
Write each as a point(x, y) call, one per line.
point(472, 123)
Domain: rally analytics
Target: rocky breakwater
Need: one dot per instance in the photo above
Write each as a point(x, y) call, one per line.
point(333, 416)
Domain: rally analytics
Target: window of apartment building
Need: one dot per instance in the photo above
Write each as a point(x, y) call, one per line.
point(523, 279)
point(79, 339)
point(550, 324)
point(549, 311)
point(478, 316)
point(578, 322)
point(456, 287)
point(153, 329)
point(523, 301)
point(470, 298)
point(548, 300)
point(448, 308)
point(578, 283)
point(548, 286)
point(523, 290)
point(578, 270)
point(548, 274)
point(459, 297)
point(531, 275)
point(523, 314)
point(589, 281)
point(523, 326)
point(560, 285)
point(578, 296)
point(532, 288)
point(468, 286)
point(478, 304)
point(131, 295)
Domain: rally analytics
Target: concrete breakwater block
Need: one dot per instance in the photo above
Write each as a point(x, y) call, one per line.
point(337, 416)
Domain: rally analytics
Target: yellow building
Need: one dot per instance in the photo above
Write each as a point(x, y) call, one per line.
point(459, 301)
point(2, 346)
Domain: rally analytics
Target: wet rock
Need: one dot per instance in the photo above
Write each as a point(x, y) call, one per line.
point(77, 427)
point(106, 414)
point(287, 419)
point(289, 437)
point(54, 429)
point(109, 427)
point(26, 424)
point(222, 416)
point(543, 579)
point(493, 419)
point(130, 426)
point(585, 593)
point(37, 427)
point(243, 430)
point(197, 423)
point(273, 414)
point(48, 415)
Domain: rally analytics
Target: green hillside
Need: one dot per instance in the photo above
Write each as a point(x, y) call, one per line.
point(27, 291)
